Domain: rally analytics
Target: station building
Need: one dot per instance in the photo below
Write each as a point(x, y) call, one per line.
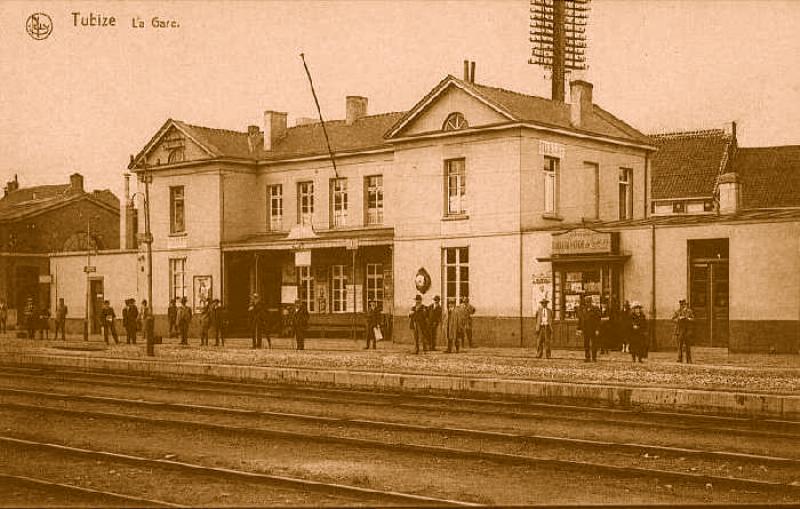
point(474, 191)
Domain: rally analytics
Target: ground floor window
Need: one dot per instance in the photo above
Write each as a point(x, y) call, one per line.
point(573, 283)
point(339, 277)
point(177, 278)
point(456, 272)
point(306, 288)
point(375, 283)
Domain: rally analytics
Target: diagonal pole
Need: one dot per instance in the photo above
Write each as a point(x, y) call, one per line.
point(319, 110)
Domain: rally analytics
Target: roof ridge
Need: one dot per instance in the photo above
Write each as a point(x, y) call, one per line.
point(513, 92)
point(771, 147)
point(697, 133)
point(217, 129)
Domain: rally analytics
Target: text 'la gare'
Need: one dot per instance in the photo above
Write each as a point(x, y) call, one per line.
point(94, 19)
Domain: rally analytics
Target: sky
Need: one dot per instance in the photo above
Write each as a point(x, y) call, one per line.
point(87, 97)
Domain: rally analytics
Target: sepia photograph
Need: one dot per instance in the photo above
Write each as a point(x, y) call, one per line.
point(415, 253)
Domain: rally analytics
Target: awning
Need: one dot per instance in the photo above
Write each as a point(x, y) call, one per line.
point(323, 240)
point(603, 258)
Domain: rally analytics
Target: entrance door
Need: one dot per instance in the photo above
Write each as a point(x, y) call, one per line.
point(709, 301)
point(96, 303)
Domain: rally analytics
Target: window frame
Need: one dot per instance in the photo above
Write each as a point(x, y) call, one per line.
point(306, 291)
point(376, 290)
point(455, 121)
point(174, 265)
point(550, 176)
point(376, 217)
point(460, 266)
point(595, 194)
point(460, 186)
point(305, 190)
point(275, 201)
point(340, 277)
point(338, 202)
point(625, 204)
point(177, 200)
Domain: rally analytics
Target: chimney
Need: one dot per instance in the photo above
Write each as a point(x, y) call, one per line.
point(274, 128)
point(466, 70)
point(11, 186)
point(252, 137)
point(729, 192)
point(472, 72)
point(305, 121)
point(581, 98)
point(356, 108)
point(76, 183)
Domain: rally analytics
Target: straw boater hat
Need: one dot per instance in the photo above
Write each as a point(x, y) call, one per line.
point(635, 304)
point(544, 299)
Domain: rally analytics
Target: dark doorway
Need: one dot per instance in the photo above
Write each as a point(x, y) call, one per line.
point(709, 291)
point(97, 293)
point(26, 284)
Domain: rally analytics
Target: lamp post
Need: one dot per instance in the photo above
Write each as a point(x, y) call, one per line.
point(147, 238)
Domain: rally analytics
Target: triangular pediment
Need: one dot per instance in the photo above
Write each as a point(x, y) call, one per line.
point(174, 143)
point(451, 96)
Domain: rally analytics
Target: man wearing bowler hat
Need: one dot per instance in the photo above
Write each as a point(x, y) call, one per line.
point(683, 319)
point(418, 323)
point(544, 328)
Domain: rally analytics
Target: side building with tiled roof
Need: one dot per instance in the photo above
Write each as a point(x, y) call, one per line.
point(37, 221)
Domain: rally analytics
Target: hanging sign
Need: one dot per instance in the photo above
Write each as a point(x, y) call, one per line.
point(302, 258)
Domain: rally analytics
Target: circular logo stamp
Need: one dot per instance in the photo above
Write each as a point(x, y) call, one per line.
point(39, 26)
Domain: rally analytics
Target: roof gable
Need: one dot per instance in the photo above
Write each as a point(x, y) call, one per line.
point(175, 136)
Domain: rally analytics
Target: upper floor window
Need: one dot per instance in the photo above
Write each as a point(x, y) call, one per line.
point(374, 187)
point(177, 210)
point(176, 155)
point(550, 174)
point(625, 193)
point(275, 207)
point(455, 121)
point(456, 186)
point(305, 202)
point(339, 202)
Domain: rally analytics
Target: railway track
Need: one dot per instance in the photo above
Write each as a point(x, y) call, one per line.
point(475, 447)
point(328, 493)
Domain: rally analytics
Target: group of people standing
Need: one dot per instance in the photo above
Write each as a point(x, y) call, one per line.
point(456, 323)
point(212, 316)
point(134, 319)
point(261, 323)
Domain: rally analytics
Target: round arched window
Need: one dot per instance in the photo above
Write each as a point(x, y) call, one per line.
point(455, 121)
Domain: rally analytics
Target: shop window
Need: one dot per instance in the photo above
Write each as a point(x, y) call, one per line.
point(305, 202)
point(339, 202)
point(625, 193)
point(374, 187)
point(306, 288)
point(375, 283)
point(456, 272)
point(456, 186)
point(177, 210)
point(550, 174)
point(339, 277)
point(275, 207)
point(573, 285)
point(708, 206)
point(177, 278)
point(678, 207)
point(454, 122)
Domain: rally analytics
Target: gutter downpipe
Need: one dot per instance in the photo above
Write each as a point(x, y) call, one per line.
point(521, 264)
point(653, 285)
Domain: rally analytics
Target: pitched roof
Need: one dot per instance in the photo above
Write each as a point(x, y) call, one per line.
point(769, 176)
point(299, 141)
point(528, 108)
point(687, 164)
point(29, 201)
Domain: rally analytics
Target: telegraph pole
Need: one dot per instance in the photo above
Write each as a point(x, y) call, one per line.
point(87, 269)
point(147, 238)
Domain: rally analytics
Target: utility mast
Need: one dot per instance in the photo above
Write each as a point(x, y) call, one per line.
point(558, 37)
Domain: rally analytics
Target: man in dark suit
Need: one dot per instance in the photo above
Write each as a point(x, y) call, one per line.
point(300, 324)
point(589, 327)
point(434, 321)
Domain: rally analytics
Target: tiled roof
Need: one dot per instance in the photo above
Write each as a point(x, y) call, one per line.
point(28, 201)
point(33, 193)
point(299, 141)
point(769, 176)
point(687, 164)
point(545, 111)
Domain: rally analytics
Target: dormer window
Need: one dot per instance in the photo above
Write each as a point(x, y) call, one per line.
point(176, 155)
point(454, 122)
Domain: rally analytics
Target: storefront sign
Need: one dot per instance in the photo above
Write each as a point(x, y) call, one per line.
point(581, 241)
point(302, 258)
point(551, 149)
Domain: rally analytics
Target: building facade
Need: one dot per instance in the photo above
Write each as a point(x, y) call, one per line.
point(476, 192)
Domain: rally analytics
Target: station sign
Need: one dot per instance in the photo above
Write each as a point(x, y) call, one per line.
point(89, 268)
point(581, 241)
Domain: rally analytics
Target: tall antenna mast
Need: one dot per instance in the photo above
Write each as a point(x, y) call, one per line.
point(558, 37)
point(321, 120)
